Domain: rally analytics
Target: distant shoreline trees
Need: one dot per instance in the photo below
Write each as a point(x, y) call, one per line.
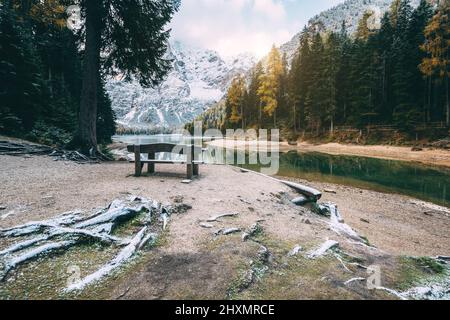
point(397, 75)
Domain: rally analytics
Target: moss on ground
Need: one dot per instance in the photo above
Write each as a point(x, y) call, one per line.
point(413, 271)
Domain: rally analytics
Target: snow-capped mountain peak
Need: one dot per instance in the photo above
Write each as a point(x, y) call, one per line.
point(199, 78)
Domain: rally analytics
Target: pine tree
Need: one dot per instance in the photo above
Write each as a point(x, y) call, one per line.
point(393, 13)
point(437, 47)
point(419, 84)
point(315, 103)
point(343, 83)
point(332, 56)
point(21, 84)
point(134, 35)
point(299, 80)
point(253, 103)
point(405, 113)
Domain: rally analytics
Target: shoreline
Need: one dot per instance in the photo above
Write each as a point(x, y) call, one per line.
point(432, 157)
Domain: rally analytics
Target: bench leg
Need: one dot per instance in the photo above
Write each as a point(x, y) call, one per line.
point(196, 170)
point(151, 166)
point(137, 161)
point(190, 171)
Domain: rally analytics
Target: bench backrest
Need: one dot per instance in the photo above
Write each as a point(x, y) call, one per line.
point(164, 147)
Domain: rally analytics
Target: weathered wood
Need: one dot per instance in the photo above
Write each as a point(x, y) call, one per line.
point(168, 162)
point(215, 218)
point(165, 147)
point(312, 193)
point(137, 161)
point(192, 165)
point(151, 164)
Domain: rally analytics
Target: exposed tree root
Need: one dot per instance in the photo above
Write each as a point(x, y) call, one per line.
point(323, 249)
point(215, 218)
point(22, 149)
point(70, 229)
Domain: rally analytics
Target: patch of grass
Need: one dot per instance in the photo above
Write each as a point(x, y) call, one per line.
point(414, 270)
point(430, 264)
point(47, 276)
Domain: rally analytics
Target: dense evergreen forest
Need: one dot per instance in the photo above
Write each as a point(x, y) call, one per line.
point(396, 73)
point(40, 75)
point(52, 76)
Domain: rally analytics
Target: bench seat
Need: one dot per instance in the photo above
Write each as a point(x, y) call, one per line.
point(168, 161)
point(192, 165)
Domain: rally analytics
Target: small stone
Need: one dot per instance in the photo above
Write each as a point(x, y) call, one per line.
point(187, 181)
point(330, 191)
point(306, 221)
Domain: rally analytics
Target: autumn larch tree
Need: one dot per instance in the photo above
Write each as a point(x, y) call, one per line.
point(270, 84)
point(235, 101)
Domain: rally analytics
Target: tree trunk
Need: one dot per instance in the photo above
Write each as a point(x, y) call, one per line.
point(87, 133)
point(260, 114)
point(447, 116)
point(331, 127)
point(295, 118)
point(275, 119)
point(429, 99)
point(242, 115)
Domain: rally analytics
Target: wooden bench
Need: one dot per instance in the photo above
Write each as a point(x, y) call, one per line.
point(192, 166)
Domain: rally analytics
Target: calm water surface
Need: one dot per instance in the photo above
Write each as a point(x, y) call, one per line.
point(416, 180)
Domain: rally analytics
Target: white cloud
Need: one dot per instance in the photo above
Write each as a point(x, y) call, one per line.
point(235, 26)
point(271, 9)
point(232, 26)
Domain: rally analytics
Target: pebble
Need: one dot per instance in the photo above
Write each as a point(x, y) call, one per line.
point(187, 181)
point(306, 221)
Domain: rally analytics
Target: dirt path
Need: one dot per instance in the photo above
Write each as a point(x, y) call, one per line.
point(191, 262)
point(437, 157)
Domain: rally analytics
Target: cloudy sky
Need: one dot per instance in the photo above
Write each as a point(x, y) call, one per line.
point(235, 26)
